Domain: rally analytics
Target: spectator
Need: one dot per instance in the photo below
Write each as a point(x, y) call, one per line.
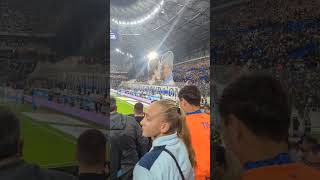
point(12, 167)
point(206, 108)
point(91, 155)
point(255, 112)
point(199, 125)
point(127, 143)
point(171, 156)
point(138, 112)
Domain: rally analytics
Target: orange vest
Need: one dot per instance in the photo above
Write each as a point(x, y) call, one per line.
point(293, 171)
point(199, 127)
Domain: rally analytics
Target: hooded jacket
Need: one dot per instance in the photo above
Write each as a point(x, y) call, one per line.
point(127, 145)
point(21, 170)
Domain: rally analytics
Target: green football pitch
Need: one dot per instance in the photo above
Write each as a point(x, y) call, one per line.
point(124, 107)
point(45, 145)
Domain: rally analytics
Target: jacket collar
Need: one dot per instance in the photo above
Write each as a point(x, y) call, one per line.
point(165, 140)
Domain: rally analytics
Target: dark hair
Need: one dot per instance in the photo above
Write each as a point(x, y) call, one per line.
point(91, 147)
point(191, 94)
point(261, 103)
point(9, 133)
point(113, 104)
point(138, 108)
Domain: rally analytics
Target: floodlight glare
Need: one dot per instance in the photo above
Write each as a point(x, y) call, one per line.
point(152, 55)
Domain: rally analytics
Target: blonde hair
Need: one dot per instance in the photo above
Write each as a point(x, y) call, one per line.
point(177, 119)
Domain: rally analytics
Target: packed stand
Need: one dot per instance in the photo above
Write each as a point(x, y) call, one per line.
point(288, 48)
point(194, 72)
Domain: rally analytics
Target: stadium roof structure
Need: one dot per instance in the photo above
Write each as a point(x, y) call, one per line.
point(148, 25)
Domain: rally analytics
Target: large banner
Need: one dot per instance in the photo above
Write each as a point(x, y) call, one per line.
point(167, 92)
point(160, 70)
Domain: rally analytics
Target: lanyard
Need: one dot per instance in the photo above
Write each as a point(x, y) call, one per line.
point(280, 159)
point(195, 112)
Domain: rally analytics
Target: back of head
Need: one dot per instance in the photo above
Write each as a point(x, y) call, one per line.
point(91, 147)
point(261, 103)
point(9, 133)
point(191, 94)
point(138, 108)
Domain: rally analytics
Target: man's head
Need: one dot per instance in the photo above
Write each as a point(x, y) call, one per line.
point(206, 109)
point(189, 96)
point(10, 141)
point(138, 108)
point(113, 104)
point(254, 107)
point(91, 148)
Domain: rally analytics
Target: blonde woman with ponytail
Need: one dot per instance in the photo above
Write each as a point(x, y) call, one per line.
point(171, 156)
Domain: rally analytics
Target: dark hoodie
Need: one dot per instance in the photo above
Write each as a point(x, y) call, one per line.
point(21, 170)
point(127, 145)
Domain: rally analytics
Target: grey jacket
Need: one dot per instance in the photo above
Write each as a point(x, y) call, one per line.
point(127, 146)
point(21, 170)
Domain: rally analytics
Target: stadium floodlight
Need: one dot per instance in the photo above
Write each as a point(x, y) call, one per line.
point(152, 55)
point(118, 50)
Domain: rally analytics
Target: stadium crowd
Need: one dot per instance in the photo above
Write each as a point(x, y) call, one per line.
point(282, 41)
point(195, 72)
point(127, 137)
point(288, 49)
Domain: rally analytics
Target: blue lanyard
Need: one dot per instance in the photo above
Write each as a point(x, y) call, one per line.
point(280, 159)
point(195, 112)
